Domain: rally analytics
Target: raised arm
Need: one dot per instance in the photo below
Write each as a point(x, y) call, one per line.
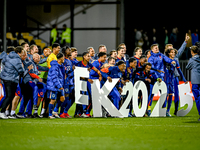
point(182, 48)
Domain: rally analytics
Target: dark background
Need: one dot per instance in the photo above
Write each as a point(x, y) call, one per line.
point(137, 15)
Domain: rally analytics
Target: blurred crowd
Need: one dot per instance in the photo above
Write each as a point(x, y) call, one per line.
point(145, 38)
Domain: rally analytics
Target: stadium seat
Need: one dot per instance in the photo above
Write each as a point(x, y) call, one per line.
point(19, 38)
point(28, 37)
point(38, 41)
point(10, 36)
point(42, 45)
point(25, 34)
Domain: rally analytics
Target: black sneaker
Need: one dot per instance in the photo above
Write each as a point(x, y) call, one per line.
point(26, 114)
point(29, 116)
point(35, 115)
point(41, 116)
point(20, 115)
point(46, 115)
point(14, 116)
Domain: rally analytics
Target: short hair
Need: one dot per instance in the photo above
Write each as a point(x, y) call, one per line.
point(120, 62)
point(132, 59)
point(85, 53)
point(111, 52)
point(101, 54)
point(23, 44)
point(73, 49)
point(121, 45)
point(88, 49)
point(195, 49)
point(148, 64)
point(55, 45)
point(167, 51)
point(19, 49)
point(167, 45)
point(119, 48)
point(137, 48)
point(10, 49)
point(143, 56)
point(110, 58)
point(153, 45)
point(59, 55)
point(100, 46)
point(32, 46)
point(63, 50)
point(146, 52)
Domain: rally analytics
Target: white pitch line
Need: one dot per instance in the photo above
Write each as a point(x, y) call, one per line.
point(91, 123)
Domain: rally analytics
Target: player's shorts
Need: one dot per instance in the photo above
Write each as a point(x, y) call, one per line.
point(18, 91)
point(41, 89)
point(55, 94)
point(68, 89)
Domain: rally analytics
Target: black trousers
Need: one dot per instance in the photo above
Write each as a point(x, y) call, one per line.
point(27, 92)
point(10, 89)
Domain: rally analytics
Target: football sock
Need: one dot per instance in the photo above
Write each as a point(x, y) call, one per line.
point(64, 104)
point(68, 104)
point(58, 104)
point(12, 112)
point(43, 111)
point(169, 103)
point(50, 109)
point(7, 112)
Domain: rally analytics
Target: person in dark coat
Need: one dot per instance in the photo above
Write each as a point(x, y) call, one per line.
point(11, 74)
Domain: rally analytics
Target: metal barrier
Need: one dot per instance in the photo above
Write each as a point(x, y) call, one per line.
point(186, 73)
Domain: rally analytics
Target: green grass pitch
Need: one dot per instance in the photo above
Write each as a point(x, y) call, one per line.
point(102, 133)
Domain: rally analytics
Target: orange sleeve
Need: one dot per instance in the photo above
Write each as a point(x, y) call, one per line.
point(33, 75)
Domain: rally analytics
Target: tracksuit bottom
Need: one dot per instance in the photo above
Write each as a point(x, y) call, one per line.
point(10, 88)
point(196, 93)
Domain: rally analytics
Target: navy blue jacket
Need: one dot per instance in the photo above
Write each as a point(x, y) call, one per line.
point(141, 75)
point(55, 79)
point(13, 67)
point(97, 64)
point(69, 80)
point(170, 72)
point(157, 60)
point(112, 72)
point(194, 66)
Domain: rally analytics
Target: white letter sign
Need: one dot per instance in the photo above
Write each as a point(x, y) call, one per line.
point(80, 85)
point(184, 99)
point(100, 97)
